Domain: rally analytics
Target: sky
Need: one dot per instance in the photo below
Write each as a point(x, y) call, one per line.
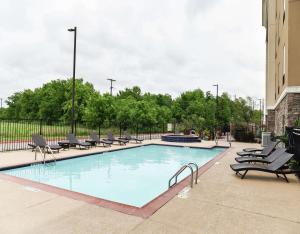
point(168, 46)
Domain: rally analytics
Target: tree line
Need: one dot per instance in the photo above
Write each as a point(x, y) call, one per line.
point(192, 109)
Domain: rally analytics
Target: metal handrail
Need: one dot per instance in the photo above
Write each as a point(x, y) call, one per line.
point(189, 165)
point(43, 153)
point(197, 169)
point(52, 154)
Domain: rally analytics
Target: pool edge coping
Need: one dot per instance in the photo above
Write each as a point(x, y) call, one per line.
point(144, 212)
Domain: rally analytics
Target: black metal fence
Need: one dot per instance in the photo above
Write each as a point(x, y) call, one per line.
point(16, 134)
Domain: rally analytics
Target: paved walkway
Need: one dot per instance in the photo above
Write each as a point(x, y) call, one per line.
point(220, 203)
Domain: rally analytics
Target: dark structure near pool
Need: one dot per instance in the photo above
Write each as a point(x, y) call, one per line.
point(181, 138)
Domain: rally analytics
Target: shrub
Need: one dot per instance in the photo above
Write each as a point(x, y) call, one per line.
point(295, 165)
point(297, 123)
point(241, 134)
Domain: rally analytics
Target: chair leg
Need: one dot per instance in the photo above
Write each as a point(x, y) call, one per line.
point(243, 176)
point(286, 179)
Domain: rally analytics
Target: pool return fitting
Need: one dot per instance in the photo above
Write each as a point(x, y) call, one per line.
point(190, 166)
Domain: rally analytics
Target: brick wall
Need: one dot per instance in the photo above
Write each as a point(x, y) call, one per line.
point(270, 120)
point(285, 114)
point(293, 108)
point(281, 113)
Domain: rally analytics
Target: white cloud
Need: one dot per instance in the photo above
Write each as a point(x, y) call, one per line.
point(161, 46)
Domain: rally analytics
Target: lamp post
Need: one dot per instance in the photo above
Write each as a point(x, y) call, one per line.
point(216, 113)
point(217, 97)
point(1, 103)
point(217, 85)
point(111, 86)
point(73, 80)
point(260, 110)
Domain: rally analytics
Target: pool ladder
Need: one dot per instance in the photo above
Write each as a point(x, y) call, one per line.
point(43, 153)
point(189, 165)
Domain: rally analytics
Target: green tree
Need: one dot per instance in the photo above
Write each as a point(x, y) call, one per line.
point(99, 108)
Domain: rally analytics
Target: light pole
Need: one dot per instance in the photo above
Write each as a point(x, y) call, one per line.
point(217, 97)
point(73, 80)
point(217, 85)
point(111, 86)
point(260, 107)
point(1, 103)
point(216, 113)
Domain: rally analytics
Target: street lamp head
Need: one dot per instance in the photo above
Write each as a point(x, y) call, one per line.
point(71, 29)
point(111, 79)
point(215, 85)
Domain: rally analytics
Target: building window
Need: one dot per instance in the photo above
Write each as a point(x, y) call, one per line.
point(278, 78)
point(284, 7)
point(276, 10)
point(283, 124)
point(283, 66)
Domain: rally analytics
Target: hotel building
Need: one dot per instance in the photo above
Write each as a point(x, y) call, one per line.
point(281, 18)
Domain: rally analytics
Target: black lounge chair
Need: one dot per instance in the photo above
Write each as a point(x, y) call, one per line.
point(128, 137)
point(32, 146)
point(252, 150)
point(277, 167)
point(74, 142)
point(260, 153)
point(272, 157)
point(110, 137)
point(94, 137)
point(40, 144)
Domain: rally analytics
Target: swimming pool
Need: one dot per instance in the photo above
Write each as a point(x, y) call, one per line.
point(133, 176)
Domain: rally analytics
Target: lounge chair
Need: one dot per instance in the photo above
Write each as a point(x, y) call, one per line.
point(272, 157)
point(277, 167)
point(110, 137)
point(74, 142)
point(260, 153)
point(128, 137)
point(94, 137)
point(40, 144)
point(256, 149)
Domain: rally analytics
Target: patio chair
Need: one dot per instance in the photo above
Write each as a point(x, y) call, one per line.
point(40, 144)
point(277, 167)
point(272, 157)
point(128, 137)
point(94, 137)
point(75, 142)
point(260, 153)
point(110, 137)
point(256, 149)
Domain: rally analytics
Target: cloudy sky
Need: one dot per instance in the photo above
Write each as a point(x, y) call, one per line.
point(164, 46)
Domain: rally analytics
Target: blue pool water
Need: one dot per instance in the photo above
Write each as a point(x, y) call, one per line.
point(131, 176)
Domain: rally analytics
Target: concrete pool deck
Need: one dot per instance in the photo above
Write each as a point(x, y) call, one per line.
point(220, 203)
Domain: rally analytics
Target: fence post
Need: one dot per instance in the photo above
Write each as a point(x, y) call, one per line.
point(41, 124)
point(136, 131)
point(120, 130)
point(75, 124)
point(150, 133)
